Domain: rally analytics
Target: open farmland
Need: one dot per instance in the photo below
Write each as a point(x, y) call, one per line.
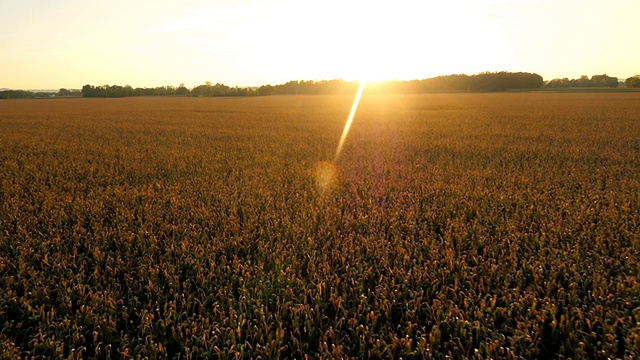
point(473, 225)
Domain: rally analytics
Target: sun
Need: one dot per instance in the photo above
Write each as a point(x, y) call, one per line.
point(409, 40)
point(374, 41)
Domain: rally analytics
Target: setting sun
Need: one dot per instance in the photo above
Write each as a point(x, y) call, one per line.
point(378, 41)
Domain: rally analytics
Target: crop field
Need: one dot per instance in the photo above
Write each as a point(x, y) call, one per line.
point(461, 225)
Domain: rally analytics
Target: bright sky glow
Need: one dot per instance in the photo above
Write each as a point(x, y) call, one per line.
point(69, 43)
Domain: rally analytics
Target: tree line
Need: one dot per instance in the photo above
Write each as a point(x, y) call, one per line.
point(484, 81)
point(584, 81)
point(209, 89)
point(127, 90)
point(311, 87)
point(23, 94)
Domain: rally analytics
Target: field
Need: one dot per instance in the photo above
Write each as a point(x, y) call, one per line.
point(468, 225)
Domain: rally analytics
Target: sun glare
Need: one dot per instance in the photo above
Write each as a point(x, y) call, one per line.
point(377, 41)
point(325, 172)
point(347, 126)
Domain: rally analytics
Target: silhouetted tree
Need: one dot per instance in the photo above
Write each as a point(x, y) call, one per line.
point(584, 81)
point(16, 94)
point(311, 87)
point(604, 81)
point(182, 91)
point(633, 82)
point(219, 89)
point(265, 90)
point(68, 92)
point(485, 81)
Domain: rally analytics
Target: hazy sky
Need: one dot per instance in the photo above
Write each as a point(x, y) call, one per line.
point(69, 43)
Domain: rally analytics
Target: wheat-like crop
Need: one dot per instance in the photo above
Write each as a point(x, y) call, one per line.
point(460, 225)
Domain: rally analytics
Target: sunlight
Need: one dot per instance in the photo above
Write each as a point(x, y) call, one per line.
point(347, 126)
point(325, 173)
point(374, 42)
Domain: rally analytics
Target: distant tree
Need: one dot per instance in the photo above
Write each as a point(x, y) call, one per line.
point(222, 90)
point(633, 82)
point(290, 87)
point(219, 89)
point(312, 87)
point(68, 92)
point(182, 91)
point(205, 89)
point(16, 94)
point(265, 90)
point(604, 81)
point(92, 91)
point(118, 91)
point(559, 83)
point(584, 81)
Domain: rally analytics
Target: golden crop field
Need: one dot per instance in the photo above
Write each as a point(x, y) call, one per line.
point(468, 225)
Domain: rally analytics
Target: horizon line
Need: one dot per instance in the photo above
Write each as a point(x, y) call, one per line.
point(335, 79)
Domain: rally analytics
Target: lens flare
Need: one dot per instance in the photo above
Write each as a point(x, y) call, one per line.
point(325, 173)
point(326, 176)
point(347, 126)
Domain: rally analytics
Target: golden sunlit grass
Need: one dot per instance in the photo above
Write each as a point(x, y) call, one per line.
point(460, 225)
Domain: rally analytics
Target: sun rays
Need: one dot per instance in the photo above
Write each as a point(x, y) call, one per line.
point(325, 173)
point(347, 126)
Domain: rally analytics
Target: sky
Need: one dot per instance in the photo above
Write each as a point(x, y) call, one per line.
point(69, 43)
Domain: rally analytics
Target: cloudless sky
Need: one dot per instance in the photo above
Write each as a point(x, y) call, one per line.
point(69, 43)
